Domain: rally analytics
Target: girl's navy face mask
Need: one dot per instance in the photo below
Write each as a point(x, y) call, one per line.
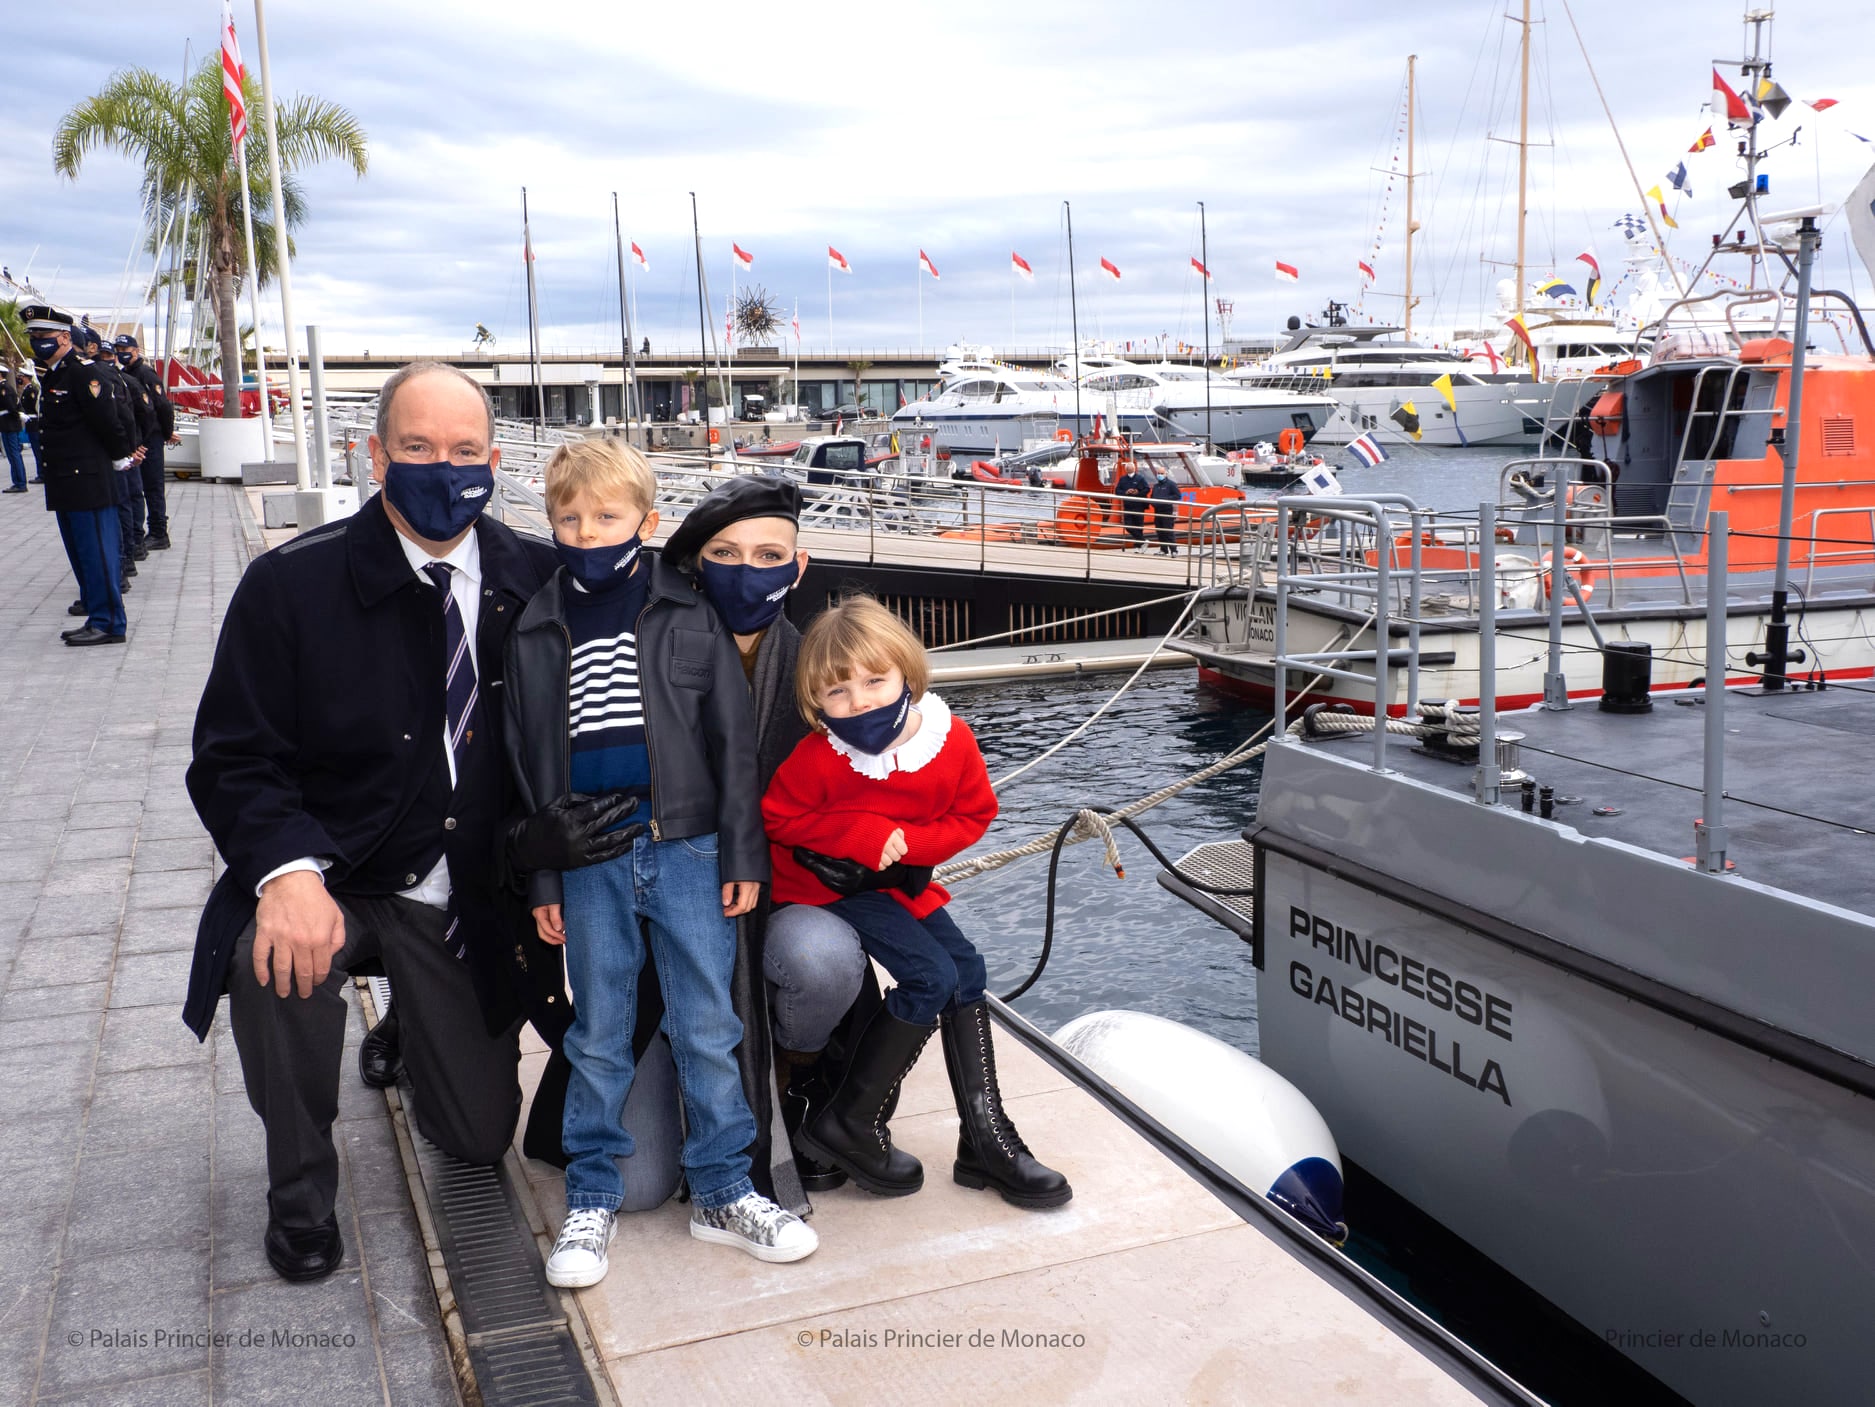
point(872, 732)
point(439, 501)
point(747, 598)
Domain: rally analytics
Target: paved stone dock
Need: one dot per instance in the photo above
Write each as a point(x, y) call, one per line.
point(132, 1175)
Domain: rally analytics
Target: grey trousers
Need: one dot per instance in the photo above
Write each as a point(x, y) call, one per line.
point(465, 1083)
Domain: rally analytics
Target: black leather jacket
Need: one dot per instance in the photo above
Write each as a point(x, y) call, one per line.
point(699, 723)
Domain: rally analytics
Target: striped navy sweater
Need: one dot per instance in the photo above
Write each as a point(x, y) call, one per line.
point(605, 712)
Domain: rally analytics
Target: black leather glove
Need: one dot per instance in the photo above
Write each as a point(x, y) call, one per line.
point(573, 832)
point(849, 877)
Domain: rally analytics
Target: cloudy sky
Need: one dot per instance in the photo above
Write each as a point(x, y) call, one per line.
point(957, 128)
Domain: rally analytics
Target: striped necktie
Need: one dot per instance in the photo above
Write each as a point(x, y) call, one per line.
point(458, 706)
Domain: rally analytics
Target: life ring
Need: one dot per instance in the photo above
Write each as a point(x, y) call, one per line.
point(1290, 441)
point(1575, 564)
point(1064, 436)
point(1505, 534)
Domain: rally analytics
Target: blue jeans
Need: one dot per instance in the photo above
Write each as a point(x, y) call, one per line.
point(92, 542)
point(10, 442)
point(669, 892)
point(936, 968)
point(814, 966)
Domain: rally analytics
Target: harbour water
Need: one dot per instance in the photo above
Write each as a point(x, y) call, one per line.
point(1130, 944)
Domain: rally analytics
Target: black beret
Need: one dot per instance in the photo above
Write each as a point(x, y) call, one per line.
point(750, 496)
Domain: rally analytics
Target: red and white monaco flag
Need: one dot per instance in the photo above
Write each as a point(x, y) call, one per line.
point(1286, 273)
point(1367, 270)
point(742, 257)
point(837, 260)
point(924, 262)
point(1020, 267)
point(1203, 272)
point(1107, 266)
point(639, 256)
point(232, 74)
point(797, 324)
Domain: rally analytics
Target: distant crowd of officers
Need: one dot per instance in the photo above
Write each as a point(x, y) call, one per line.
point(97, 421)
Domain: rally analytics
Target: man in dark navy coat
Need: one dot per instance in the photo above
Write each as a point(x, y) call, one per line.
point(348, 765)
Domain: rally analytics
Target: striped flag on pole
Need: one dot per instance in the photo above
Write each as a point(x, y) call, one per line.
point(1367, 270)
point(1287, 273)
point(1020, 267)
point(1107, 266)
point(742, 257)
point(639, 256)
point(232, 75)
point(1367, 449)
point(1203, 272)
point(924, 262)
point(837, 260)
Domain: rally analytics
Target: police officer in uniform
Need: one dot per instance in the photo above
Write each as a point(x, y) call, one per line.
point(29, 412)
point(135, 409)
point(83, 435)
point(150, 470)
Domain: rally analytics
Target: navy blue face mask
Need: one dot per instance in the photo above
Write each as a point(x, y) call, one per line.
point(601, 568)
point(439, 501)
point(45, 348)
point(747, 598)
point(872, 732)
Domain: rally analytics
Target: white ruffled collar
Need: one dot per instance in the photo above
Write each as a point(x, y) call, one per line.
point(916, 752)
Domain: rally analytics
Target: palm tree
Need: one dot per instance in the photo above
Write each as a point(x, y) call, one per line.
point(13, 340)
point(180, 133)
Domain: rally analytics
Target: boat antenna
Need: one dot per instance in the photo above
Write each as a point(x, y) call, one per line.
point(1777, 655)
point(628, 366)
point(1411, 228)
point(1523, 160)
point(1204, 289)
point(703, 329)
point(533, 321)
point(1074, 315)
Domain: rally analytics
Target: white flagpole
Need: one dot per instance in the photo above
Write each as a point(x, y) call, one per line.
point(918, 275)
point(253, 302)
point(285, 270)
point(830, 303)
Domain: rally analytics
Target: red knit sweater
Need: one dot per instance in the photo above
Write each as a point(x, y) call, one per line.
point(817, 800)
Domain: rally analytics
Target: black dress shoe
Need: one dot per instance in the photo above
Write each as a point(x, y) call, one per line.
point(130, 567)
point(77, 608)
point(91, 636)
point(15, 488)
point(157, 542)
point(304, 1253)
point(36, 479)
point(68, 634)
point(139, 553)
point(379, 1059)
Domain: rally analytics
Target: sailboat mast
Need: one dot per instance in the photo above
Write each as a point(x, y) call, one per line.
point(1523, 152)
point(628, 363)
point(703, 329)
point(1074, 315)
point(1412, 227)
point(533, 322)
point(1204, 289)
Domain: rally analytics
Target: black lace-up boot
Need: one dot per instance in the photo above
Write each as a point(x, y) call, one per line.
point(990, 1153)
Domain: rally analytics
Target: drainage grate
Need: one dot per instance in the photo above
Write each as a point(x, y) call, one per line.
point(1228, 863)
point(521, 1349)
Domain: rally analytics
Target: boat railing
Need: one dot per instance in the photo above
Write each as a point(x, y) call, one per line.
point(1842, 550)
point(1381, 517)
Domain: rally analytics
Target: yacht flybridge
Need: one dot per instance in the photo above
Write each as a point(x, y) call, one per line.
point(1164, 401)
point(984, 406)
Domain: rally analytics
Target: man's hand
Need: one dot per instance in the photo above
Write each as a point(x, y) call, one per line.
point(141, 451)
point(173, 440)
point(894, 850)
point(739, 897)
point(550, 924)
point(298, 930)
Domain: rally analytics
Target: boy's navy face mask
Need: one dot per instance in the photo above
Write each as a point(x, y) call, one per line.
point(601, 568)
point(872, 732)
point(439, 501)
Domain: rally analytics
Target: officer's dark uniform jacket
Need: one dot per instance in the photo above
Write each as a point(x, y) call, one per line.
point(84, 430)
point(320, 734)
point(141, 373)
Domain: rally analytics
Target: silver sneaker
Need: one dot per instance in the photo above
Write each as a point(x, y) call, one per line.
point(756, 1225)
point(578, 1258)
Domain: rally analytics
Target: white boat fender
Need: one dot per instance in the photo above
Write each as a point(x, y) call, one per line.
point(1226, 1104)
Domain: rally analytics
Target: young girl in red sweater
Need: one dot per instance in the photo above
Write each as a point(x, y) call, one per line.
point(889, 785)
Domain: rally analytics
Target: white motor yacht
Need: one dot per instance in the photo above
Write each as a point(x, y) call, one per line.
point(1165, 401)
point(1373, 375)
point(983, 406)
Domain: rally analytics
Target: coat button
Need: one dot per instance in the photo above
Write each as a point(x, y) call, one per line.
point(449, 823)
point(410, 881)
point(406, 737)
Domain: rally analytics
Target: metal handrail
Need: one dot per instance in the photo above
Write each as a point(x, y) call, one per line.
point(1816, 534)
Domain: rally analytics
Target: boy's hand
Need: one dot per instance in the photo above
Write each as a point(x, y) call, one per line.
point(550, 924)
point(894, 850)
point(739, 897)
